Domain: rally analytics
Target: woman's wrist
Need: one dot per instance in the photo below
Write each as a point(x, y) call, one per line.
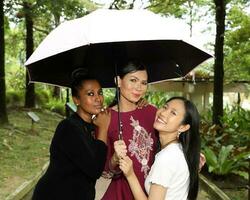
point(131, 175)
point(114, 160)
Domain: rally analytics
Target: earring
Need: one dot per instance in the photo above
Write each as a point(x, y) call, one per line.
point(77, 104)
point(178, 134)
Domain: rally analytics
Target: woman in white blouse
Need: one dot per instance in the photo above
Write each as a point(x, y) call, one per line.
point(174, 174)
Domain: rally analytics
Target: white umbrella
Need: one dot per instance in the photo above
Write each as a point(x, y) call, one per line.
point(102, 39)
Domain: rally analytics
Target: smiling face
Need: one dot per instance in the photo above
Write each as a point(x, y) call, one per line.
point(133, 85)
point(169, 118)
point(89, 100)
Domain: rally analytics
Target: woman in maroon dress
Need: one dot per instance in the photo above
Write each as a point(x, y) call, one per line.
point(137, 131)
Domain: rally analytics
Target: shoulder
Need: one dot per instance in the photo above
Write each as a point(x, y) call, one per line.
point(172, 154)
point(149, 108)
point(66, 122)
point(71, 123)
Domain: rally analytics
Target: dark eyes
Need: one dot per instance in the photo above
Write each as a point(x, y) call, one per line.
point(173, 113)
point(165, 107)
point(91, 94)
point(100, 92)
point(133, 80)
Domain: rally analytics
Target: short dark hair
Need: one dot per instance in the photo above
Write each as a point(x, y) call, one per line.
point(78, 77)
point(130, 66)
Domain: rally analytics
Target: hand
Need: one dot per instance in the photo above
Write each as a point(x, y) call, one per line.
point(142, 103)
point(126, 165)
point(202, 161)
point(102, 120)
point(120, 149)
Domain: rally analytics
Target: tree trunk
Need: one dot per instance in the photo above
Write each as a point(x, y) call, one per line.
point(56, 92)
point(30, 87)
point(3, 109)
point(56, 89)
point(219, 59)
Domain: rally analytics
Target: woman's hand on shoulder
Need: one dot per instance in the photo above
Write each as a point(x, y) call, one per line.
point(202, 161)
point(142, 103)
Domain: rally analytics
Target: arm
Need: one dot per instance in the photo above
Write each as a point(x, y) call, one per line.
point(156, 192)
point(81, 149)
point(102, 121)
point(126, 165)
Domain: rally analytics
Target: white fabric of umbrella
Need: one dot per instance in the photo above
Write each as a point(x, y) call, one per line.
point(105, 25)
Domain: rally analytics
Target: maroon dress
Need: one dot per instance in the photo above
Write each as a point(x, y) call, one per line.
point(140, 138)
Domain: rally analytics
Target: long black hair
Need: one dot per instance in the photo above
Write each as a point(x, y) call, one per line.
point(78, 77)
point(123, 70)
point(191, 144)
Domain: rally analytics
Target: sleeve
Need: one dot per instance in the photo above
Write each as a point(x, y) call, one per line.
point(161, 172)
point(108, 172)
point(84, 152)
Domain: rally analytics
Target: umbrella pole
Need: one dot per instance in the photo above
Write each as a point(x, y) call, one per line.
point(118, 106)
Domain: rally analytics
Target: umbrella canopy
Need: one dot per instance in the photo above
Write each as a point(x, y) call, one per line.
point(103, 39)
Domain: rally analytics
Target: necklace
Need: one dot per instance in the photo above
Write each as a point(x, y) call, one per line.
point(171, 141)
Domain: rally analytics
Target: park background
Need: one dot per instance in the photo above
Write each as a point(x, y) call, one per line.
point(219, 87)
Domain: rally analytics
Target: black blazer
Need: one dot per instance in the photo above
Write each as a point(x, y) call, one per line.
point(77, 160)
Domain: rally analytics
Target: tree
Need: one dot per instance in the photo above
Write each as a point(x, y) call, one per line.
point(3, 109)
point(30, 87)
point(237, 44)
point(179, 9)
point(122, 4)
point(17, 10)
point(220, 14)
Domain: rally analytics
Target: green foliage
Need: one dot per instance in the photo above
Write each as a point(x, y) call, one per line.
point(42, 97)
point(22, 152)
point(56, 105)
point(122, 4)
point(14, 98)
point(225, 162)
point(157, 98)
point(237, 45)
point(109, 95)
point(236, 124)
point(178, 8)
point(235, 128)
point(16, 79)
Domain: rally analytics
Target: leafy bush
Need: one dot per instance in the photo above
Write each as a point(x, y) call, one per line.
point(14, 98)
point(235, 128)
point(56, 106)
point(227, 162)
point(15, 80)
point(157, 98)
point(235, 134)
point(236, 124)
point(109, 95)
point(42, 97)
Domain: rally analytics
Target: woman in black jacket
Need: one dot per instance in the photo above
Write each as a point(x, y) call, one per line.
point(78, 149)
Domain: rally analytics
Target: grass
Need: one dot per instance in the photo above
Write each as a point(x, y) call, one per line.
point(23, 152)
